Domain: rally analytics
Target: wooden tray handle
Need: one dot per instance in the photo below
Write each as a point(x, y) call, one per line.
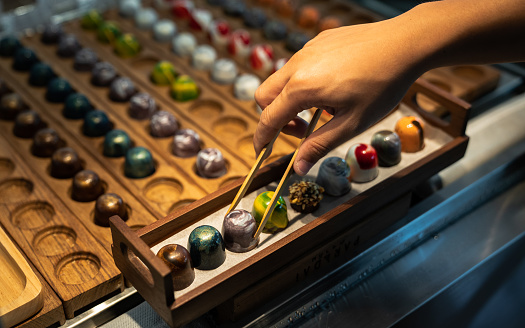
point(458, 109)
point(140, 266)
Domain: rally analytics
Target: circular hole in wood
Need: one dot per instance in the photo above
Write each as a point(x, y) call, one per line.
point(228, 181)
point(163, 190)
point(229, 127)
point(6, 167)
point(32, 215)
point(54, 240)
point(468, 72)
point(206, 109)
point(361, 19)
point(180, 204)
point(15, 190)
point(77, 268)
point(245, 146)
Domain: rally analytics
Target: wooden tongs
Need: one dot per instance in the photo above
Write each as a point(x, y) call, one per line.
point(262, 156)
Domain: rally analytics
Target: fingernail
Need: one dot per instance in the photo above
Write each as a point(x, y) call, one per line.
point(302, 167)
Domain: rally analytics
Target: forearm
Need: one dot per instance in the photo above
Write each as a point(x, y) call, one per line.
point(453, 32)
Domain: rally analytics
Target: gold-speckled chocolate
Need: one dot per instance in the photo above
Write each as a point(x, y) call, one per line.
point(87, 186)
point(108, 205)
point(178, 259)
point(65, 163)
point(46, 142)
point(27, 123)
point(10, 106)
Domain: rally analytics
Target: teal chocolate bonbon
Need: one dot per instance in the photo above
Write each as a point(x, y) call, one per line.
point(116, 143)
point(139, 163)
point(58, 89)
point(24, 59)
point(41, 74)
point(206, 247)
point(96, 124)
point(8, 45)
point(76, 106)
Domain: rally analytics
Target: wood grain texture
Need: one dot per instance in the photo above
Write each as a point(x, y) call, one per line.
point(20, 290)
point(67, 255)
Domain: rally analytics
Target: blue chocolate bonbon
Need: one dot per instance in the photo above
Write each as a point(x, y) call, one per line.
point(333, 176)
point(206, 247)
point(76, 106)
point(96, 124)
point(116, 143)
point(139, 163)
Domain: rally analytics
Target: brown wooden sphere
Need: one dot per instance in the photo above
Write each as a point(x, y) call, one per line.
point(177, 258)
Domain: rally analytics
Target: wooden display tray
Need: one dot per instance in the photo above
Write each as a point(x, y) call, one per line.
point(258, 276)
point(71, 260)
point(20, 290)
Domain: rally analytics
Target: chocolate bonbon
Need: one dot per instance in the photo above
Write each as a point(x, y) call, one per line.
point(279, 218)
point(238, 230)
point(178, 259)
point(206, 247)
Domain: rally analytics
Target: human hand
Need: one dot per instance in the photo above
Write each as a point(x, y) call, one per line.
point(356, 73)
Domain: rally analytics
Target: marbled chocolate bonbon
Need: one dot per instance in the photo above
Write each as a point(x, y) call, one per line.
point(224, 71)
point(238, 229)
point(45, 142)
point(91, 20)
point(203, 57)
point(200, 19)
point(41, 74)
point(86, 186)
point(129, 8)
point(96, 124)
point(279, 217)
point(142, 106)
point(245, 85)
point(163, 73)
point(24, 59)
point(411, 131)
point(76, 106)
point(145, 18)
point(164, 30)
point(116, 143)
point(65, 163)
point(108, 32)
point(163, 124)
point(178, 259)
point(182, 8)
point(388, 147)
point(85, 60)
point(261, 57)
point(210, 163)
point(122, 89)
point(186, 143)
point(107, 205)
point(127, 46)
point(206, 247)
point(184, 44)
point(102, 74)
point(239, 43)
point(184, 89)
point(139, 163)
point(68, 46)
point(219, 32)
point(58, 89)
point(333, 176)
point(27, 123)
point(362, 159)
